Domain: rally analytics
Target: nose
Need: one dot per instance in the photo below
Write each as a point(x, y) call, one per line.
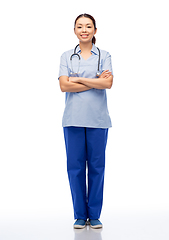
point(83, 29)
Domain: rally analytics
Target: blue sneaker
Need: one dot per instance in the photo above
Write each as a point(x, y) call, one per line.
point(95, 224)
point(79, 224)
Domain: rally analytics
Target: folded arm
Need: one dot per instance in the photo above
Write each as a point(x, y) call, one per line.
point(68, 86)
point(79, 84)
point(104, 81)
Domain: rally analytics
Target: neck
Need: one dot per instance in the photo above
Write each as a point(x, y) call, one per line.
point(85, 47)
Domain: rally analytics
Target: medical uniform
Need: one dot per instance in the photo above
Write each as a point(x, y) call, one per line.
point(85, 122)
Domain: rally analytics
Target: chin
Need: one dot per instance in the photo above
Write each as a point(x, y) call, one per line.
point(85, 40)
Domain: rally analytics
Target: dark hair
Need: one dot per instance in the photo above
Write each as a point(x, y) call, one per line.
point(93, 20)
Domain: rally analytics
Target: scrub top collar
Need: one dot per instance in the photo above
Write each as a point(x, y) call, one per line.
point(93, 50)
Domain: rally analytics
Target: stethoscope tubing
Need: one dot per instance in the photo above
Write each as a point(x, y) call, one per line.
point(76, 54)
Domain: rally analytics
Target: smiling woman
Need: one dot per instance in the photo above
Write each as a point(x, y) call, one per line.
point(86, 120)
point(80, 23)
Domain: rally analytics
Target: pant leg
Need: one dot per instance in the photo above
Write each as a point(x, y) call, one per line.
point(96, 145)
point(76, 168)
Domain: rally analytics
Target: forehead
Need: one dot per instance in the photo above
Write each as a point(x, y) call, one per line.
point(84, 21)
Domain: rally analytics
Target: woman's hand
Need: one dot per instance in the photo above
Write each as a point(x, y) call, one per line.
point(105, 74)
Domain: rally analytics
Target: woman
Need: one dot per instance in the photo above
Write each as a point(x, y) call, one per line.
point(86, 120)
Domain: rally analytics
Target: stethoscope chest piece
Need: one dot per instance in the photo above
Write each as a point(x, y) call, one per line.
point(98, 74)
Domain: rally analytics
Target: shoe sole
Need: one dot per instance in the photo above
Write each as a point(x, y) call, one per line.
point(79, 226)
point(96, 226)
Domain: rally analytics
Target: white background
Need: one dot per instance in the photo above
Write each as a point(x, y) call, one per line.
point(34, 34)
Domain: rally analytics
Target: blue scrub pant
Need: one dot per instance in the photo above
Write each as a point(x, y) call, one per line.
point(85, 148)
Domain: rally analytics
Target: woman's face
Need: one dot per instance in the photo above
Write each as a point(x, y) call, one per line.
point(84, 29)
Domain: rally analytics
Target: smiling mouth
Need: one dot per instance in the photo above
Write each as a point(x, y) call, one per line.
point(84, 35)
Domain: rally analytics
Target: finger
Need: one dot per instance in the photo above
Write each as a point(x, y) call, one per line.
point(105, 71)
point(108, 75)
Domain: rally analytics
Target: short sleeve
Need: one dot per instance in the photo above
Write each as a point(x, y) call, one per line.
point(63, 70)
point(107, 65)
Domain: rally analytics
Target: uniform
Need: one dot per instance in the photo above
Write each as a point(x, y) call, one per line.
point(85, 123)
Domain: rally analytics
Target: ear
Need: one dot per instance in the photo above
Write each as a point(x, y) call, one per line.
point(95, 31)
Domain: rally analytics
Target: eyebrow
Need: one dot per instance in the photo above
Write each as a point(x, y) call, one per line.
point(82, 24)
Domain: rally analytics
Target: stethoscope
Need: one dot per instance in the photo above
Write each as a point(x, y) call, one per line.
point(76, 54)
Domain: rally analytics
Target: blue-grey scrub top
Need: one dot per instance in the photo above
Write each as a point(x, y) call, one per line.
point(87, 108)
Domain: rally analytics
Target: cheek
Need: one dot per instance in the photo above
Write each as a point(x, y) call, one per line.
point(77, 31)
point(92, 32)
